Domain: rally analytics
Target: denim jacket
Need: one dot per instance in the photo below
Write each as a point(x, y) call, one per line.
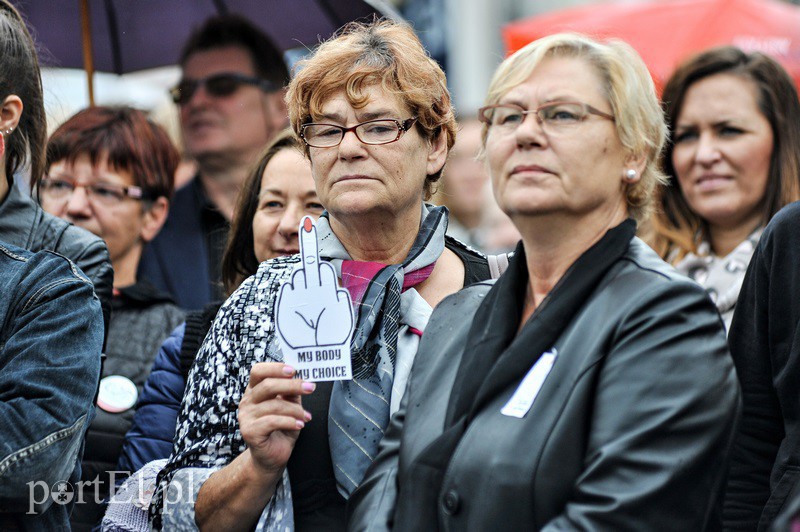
point(23, 223)
point(51, 334)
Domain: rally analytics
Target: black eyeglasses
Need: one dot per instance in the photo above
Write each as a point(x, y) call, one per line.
point(218, 85)
point(375, 132)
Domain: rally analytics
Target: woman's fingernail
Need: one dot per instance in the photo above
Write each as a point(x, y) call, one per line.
point(308, 415)
point(288, 370)
point(309, 386)
point(299, 424)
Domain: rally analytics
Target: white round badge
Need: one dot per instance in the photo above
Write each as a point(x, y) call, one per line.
point(117, 394)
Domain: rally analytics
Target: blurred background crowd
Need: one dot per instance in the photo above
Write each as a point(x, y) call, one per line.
point(468, 38)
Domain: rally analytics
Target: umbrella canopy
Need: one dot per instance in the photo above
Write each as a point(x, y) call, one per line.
point(667, 32)
point(131, 35)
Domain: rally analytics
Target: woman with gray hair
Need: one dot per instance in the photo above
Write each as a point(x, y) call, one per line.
point(592, 389)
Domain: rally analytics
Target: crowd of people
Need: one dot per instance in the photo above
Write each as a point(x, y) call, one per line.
point(573, 310)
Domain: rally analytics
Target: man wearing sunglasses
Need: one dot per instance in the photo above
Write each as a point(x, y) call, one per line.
point(230, 99)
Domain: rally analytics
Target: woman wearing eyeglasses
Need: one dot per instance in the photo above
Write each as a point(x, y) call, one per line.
point(589, 388)
point(255, 446)
point(110, 171)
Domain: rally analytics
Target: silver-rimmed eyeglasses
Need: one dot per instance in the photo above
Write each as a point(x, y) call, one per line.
point(375, 132)
point(554, 117)
point(59, 190)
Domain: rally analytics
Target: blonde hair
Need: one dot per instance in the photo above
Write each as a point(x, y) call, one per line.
point(383, 53)
point(628, 88)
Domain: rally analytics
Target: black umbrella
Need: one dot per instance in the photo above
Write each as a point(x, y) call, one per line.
point(123, 36)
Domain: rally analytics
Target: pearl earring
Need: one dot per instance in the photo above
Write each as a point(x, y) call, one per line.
point(630, 174)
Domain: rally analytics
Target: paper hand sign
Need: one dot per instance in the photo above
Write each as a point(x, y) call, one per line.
point(314, 316)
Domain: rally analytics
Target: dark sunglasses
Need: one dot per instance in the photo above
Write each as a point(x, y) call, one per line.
point(218, 85)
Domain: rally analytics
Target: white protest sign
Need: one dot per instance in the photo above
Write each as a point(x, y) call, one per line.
point(314, 316)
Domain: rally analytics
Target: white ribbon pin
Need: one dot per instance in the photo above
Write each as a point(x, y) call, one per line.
point(522, 400)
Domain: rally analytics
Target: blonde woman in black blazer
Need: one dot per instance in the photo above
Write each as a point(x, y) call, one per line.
point(593, 388)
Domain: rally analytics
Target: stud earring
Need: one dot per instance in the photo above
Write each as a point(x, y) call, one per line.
point(630, 174)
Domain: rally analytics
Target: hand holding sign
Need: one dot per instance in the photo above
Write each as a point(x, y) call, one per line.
point(271, 414)
point(315, 316)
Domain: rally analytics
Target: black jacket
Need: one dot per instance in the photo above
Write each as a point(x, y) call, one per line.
point(176, 261)
point(630, 431)
point(765, 344)
point(24, 224)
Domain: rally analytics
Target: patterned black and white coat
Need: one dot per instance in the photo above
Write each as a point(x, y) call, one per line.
point(207, 436)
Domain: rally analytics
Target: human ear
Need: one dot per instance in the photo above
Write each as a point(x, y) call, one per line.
point(635, 165)
point(437, 152)
point(10, 113)
point(153, 219)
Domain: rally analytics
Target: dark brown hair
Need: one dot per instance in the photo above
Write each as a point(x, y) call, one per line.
point(19, 75)
point(126, 138)
point(234, 30)
point(239, 261)
point(676, 226)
